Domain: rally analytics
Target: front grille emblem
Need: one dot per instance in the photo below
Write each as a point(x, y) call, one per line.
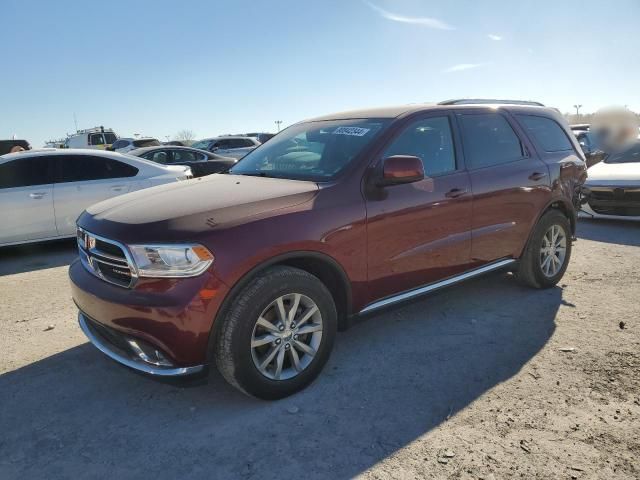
point(89, 242)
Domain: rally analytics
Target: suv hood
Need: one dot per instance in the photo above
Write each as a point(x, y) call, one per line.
point(614, 173)
point(196, 205)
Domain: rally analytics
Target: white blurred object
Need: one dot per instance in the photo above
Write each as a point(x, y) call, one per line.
point(615, 127)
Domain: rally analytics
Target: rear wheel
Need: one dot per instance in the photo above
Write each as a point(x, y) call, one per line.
point(547, 254)
point(278, 334)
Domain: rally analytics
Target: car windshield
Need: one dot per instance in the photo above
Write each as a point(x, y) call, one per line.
point(628, 155)
point(315, 151)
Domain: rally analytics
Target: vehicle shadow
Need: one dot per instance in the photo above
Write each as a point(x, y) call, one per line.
point(37, 256)
point(620, 232)
point(391, 379)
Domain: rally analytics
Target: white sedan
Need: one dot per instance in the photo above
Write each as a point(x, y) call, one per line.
point(42, 192)
point(613, 186)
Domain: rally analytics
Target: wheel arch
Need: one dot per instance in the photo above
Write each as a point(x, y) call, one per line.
point(559, 204)
point(324, 267)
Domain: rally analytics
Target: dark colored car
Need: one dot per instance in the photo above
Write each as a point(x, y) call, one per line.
point(590, 145)
point(201, 162)
point(7, 145)
point(344, 215)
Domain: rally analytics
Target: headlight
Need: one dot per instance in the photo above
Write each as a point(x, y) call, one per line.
point(173, 260)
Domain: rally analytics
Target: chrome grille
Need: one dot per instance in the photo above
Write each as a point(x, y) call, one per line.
point(106, 259)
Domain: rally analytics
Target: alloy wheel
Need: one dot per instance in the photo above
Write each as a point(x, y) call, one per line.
point(553, 250)
point(286, 336)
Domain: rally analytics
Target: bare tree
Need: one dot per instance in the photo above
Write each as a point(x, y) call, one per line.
point(185, 135)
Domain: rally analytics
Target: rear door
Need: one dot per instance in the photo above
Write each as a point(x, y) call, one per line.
point(26, 200)
point(510, 183)
point(82, 180)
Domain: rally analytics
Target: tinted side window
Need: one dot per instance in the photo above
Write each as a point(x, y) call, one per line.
point(159, 157)
point(243, 142)
point(25, 172)
point(489, 140)
point(430, 140)
point(110, 138)
point(183, 156)
point(96, 139)
point(78, 168)
point(546, 133)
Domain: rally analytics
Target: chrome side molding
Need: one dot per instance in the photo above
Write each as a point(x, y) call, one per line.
point(401, 297)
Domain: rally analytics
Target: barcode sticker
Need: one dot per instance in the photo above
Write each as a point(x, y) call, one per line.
point(353, 131)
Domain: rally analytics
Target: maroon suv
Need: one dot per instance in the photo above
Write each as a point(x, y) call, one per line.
point(255, 270)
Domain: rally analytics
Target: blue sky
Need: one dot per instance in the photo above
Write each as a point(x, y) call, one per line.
point(228, 66)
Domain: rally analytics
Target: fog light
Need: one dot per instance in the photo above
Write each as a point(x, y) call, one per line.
point(148, 354)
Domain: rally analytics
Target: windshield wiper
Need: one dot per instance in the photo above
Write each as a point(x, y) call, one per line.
point(255, 174)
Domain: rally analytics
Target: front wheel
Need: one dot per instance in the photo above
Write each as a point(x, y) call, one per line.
point(278, 334)
point(547, 254)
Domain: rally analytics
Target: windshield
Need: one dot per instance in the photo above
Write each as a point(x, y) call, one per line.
point(109, 138)
point(315, 151)
point(629, 155)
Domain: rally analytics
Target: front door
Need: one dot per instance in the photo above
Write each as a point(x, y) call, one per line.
point(420, 233)
point(510, 185)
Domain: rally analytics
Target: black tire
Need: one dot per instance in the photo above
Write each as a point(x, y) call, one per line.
point(529, 270)
point(233, 353)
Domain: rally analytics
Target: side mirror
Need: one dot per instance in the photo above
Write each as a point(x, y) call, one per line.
point(401, 169)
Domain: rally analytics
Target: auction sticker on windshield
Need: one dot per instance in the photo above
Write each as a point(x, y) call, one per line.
point(353, 131)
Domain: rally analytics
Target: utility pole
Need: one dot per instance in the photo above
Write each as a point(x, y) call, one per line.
point(278, 123)
point(577, 107)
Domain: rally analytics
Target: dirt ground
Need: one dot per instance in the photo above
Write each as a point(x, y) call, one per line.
point(486, 380)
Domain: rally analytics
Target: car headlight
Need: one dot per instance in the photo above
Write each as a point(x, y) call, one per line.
point(172, 260)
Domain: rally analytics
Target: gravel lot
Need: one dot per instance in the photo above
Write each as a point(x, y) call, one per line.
point(472, 382)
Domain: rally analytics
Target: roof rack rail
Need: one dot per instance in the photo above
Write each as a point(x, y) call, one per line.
point(99, 129)
point(488, 101)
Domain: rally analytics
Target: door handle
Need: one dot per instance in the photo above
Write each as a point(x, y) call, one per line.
point(117, 188)
point(537, 176)
point(37, 195)
point(455, 192)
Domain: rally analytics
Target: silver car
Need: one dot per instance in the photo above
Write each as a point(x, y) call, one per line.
point(228, 146)
point(42, 192)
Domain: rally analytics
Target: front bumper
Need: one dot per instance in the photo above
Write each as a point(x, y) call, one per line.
point(130, 357)
point(173, 316)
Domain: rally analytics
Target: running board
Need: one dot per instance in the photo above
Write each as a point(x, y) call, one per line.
point(401, 297)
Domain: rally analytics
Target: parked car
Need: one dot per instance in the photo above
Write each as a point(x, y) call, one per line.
point(42, 192)
point(590, 146)
point(124, 145)
point(6, 146)
point(613, 187)
point(97, 138)
point(343, 215)
point(231, 146)
point(261, 137)
point(201, 162)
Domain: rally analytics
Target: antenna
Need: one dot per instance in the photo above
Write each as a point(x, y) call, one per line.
point(75, 120)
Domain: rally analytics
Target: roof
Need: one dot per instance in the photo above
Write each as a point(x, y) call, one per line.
point(401, 110)
point(225, 137)
point(60, 151)
point(489, 101)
